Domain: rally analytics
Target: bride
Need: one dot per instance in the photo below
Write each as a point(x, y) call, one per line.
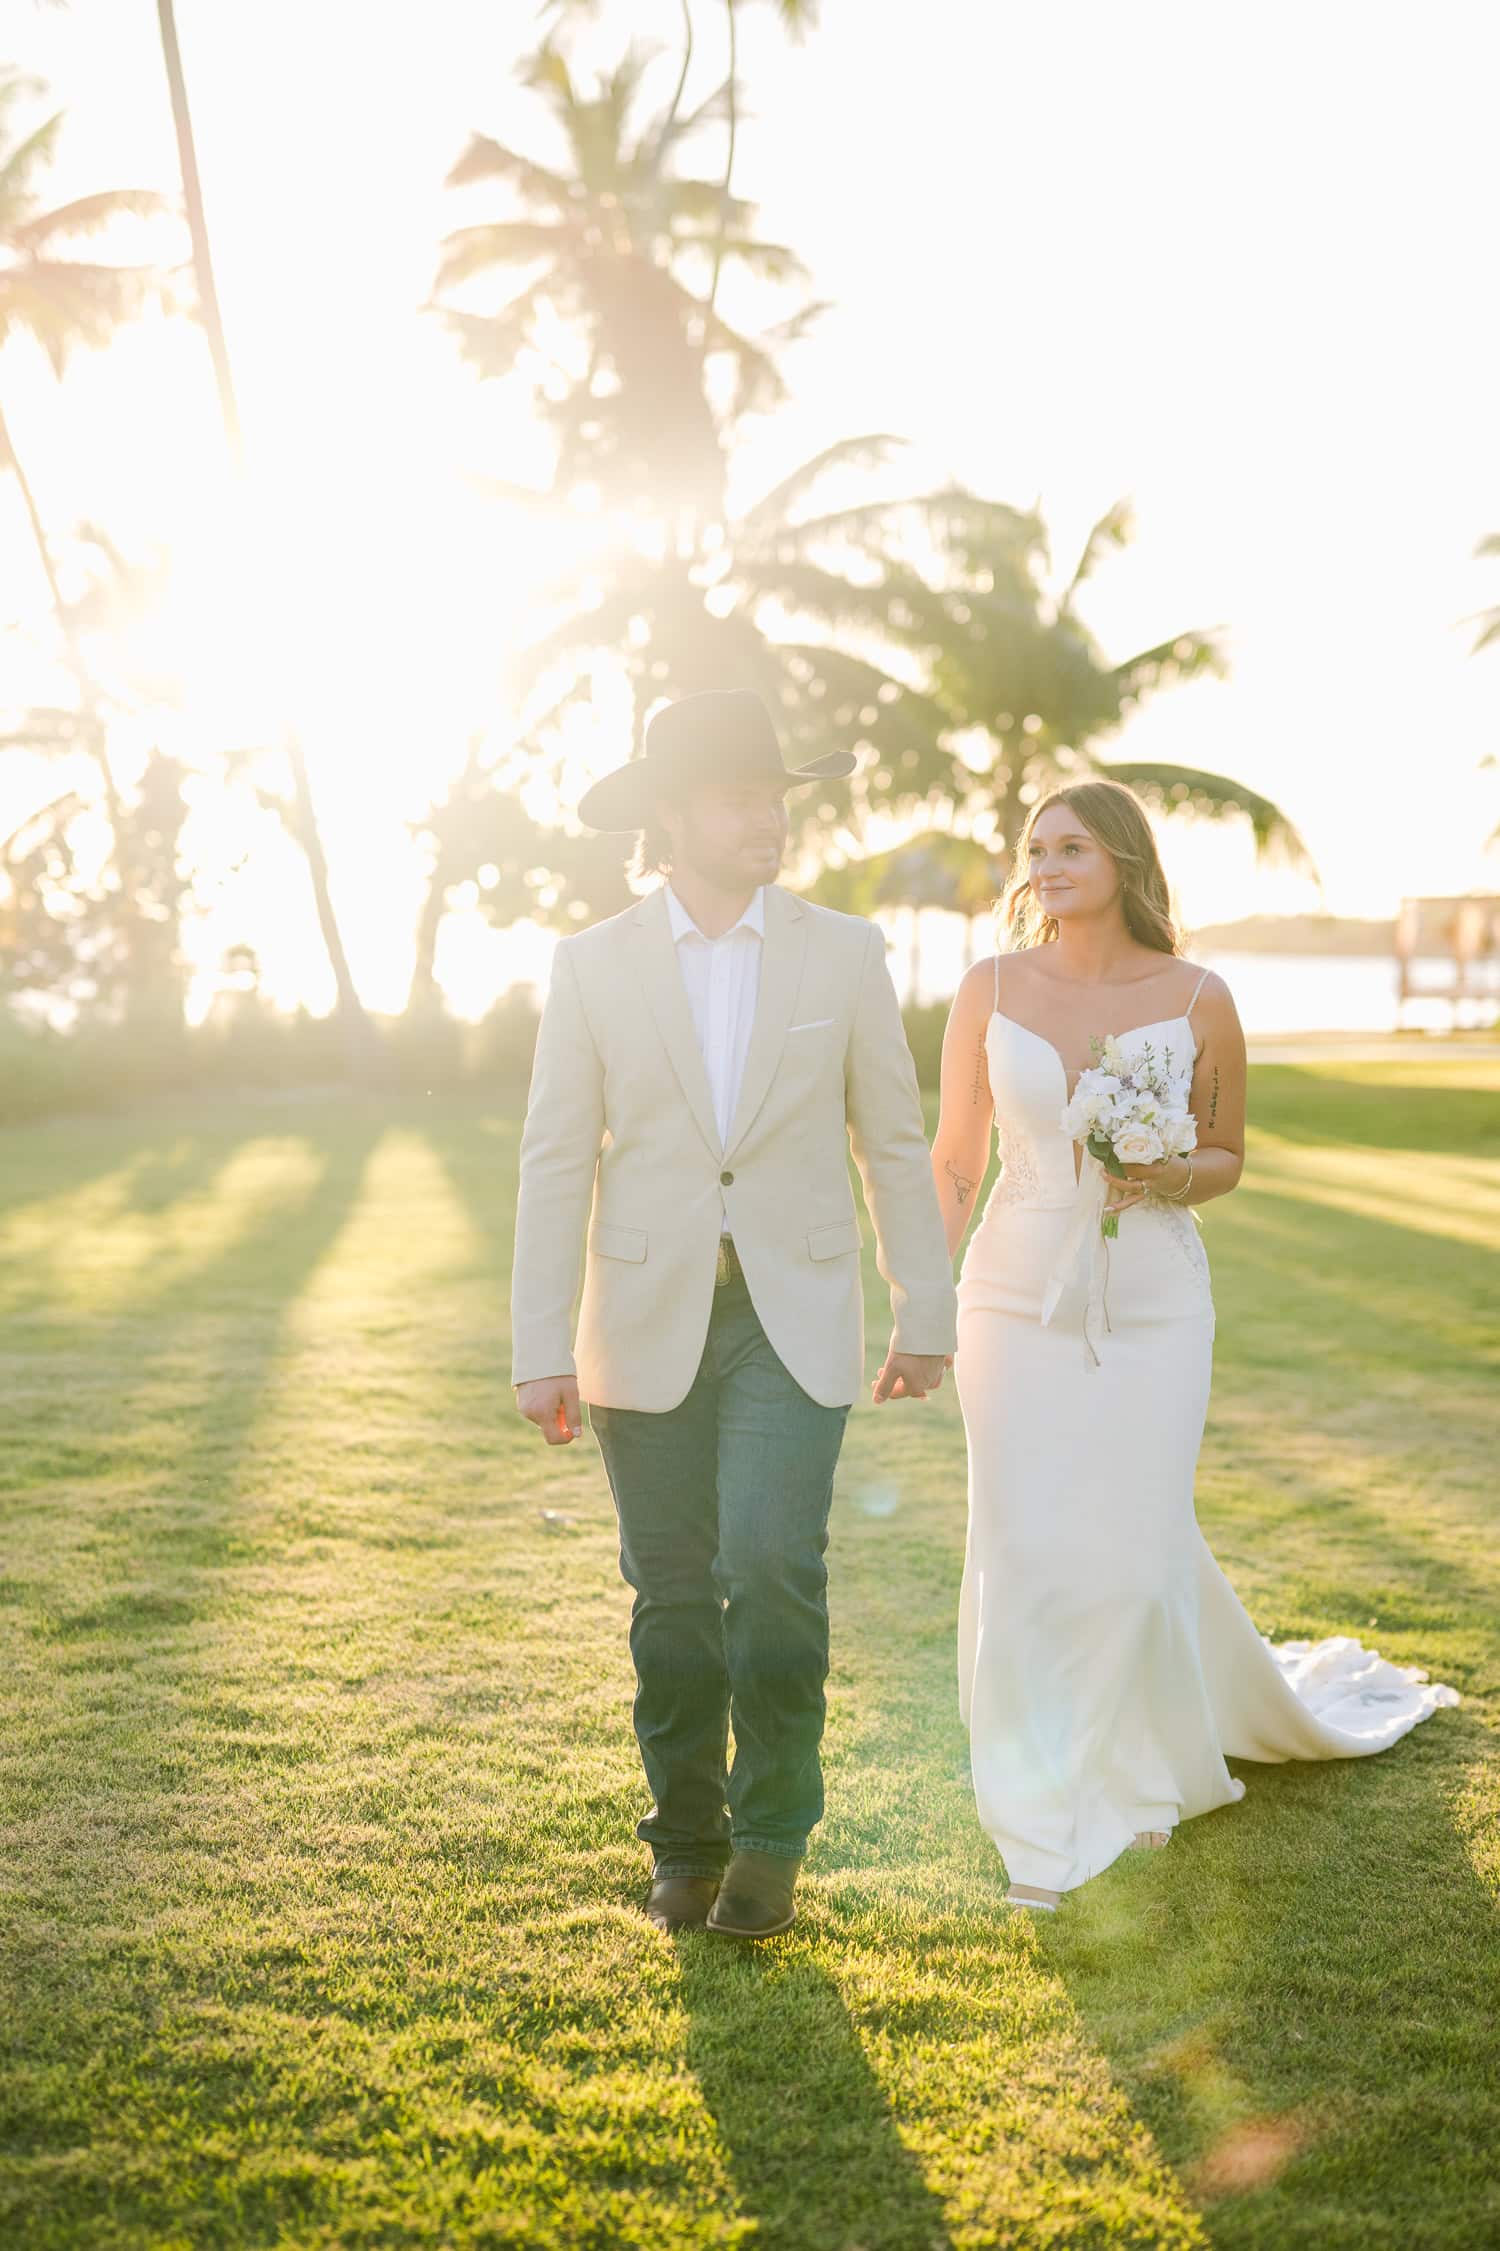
point(1106, 1667)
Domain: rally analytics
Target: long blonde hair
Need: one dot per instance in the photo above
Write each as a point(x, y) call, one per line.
point(1116, 819)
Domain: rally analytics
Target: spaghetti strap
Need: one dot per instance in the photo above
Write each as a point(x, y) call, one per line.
point(1197, 989)
point(997, 984)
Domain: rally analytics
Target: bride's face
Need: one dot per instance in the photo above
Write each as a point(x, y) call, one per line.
point(1070, 872)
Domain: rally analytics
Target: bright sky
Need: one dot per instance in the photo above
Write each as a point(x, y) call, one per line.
point(1229, 262)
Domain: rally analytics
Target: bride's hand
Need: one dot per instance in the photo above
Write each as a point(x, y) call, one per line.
point(1141, 1181)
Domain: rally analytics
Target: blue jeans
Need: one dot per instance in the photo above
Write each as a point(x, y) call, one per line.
point(723, 1506)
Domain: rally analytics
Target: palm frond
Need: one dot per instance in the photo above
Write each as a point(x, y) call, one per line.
point(514, 242)
point(1488, 622)
point(1189, 656)
point(54, 815)
point(899, 603)
point(797, 16)
point(493, 342)
point(88, 214)
point(48, 730)
point(713, 111)
point(64, 303)
point(1187, 789)
point(771, 511)
point(798, 324)
point(1114, 531)
point(28, 156)
point(485, 159)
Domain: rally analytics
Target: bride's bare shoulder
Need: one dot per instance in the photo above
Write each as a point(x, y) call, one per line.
point(976, 990)
point(1206, 985)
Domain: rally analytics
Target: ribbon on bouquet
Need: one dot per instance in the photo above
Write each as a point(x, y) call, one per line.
point(1084, 1258)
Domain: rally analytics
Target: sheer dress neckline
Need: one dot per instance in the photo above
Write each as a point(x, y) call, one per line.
point(1157, 1024)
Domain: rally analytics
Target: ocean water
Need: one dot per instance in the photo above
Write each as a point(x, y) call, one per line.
point(1275, 993)
point(1340, 993)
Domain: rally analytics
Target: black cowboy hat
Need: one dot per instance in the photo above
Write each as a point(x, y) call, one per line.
point(725, 735)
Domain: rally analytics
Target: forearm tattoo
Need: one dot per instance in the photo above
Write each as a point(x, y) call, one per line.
point(981, 1075)
point(962, 1184)
point(1213, 1096)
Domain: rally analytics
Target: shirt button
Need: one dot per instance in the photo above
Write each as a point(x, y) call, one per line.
point(726, 1180)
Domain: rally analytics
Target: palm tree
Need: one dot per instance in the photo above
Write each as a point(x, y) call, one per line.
point(797, 16)
point(482, 830)
point(1017, 672)
point(767, 607)
point(299, 810)
point(609, 245)
point(62, 303)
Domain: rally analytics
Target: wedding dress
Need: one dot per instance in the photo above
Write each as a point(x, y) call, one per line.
point(1106, 1666)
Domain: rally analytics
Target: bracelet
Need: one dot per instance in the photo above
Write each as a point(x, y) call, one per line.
point(1180, 1195)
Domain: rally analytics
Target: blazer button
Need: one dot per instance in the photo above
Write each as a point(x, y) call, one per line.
point(726, 1180)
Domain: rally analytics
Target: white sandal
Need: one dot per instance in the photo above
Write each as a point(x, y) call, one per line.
point(1037, 1906)
point(1152, 1840)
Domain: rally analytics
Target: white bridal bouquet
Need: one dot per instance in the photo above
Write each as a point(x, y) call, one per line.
point(1128, 1113)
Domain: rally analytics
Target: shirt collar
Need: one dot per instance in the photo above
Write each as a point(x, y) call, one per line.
point(683, 925)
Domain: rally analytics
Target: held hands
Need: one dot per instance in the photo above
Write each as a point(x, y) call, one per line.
point(1167, 1177)
point(551, 1402)
point(908, 1375)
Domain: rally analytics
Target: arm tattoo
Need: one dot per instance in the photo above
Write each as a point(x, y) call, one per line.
point(981, 1075)
point(964, 1186)
point(1213, 1099)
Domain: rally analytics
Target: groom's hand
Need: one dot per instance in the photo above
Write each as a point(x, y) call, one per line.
point(551, 1402)
point(908, 1375)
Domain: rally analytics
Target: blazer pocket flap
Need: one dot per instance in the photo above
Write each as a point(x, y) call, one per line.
point(834, 1241)
point(618, 1242)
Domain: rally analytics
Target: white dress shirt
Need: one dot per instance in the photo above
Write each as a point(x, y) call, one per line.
point(722, 978)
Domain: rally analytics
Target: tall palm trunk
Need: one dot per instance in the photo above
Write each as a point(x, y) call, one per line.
point(88, 696)
point(192, 194)
point(359, 1036)
point(734, 129)
point(423, 993)
point(351, 1010)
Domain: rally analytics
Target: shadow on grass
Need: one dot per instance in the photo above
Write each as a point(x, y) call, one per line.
point(1298, 1998)
point(197, 1351)
point(1342, 1110)
point(807, 2133)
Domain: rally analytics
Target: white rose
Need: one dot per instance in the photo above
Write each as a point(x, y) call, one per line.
point(1138, 1145)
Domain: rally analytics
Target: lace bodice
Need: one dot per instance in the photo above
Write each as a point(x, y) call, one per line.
point(1030, 1089)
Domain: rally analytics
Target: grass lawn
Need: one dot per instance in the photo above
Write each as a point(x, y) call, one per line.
point(318, 1920)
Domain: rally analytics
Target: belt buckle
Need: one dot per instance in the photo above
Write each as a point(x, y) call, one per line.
point(721, 1271)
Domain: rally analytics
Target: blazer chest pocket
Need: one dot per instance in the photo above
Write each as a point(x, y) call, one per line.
point(618, 1242)
point(835, 1241)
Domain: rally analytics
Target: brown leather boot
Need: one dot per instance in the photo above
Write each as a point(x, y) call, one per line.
point(755, 1898)
point(680, 1903)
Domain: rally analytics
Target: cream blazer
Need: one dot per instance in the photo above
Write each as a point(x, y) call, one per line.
point(621, 1155)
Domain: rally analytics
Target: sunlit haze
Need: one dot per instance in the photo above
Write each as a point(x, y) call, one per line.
point(1233, 264)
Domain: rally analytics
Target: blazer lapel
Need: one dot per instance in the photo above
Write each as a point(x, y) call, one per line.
point(661, 976)
point(782, 952)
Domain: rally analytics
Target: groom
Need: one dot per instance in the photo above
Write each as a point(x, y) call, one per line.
point(703, 1062)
